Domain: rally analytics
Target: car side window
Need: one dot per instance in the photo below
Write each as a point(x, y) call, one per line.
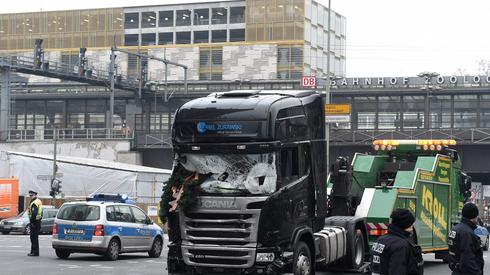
point(139, 216)
point(110, 213)
point(125, 214)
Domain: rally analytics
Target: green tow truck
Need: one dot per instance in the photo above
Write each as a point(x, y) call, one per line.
point(424, 176)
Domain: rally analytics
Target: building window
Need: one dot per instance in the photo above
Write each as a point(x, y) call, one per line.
point(219, 16)
point(148, 19)
point(131, 20)
point(166, 19)
point(237, 35)
point(165, 38)
point(131, 40)
point(183, 38)
point(237, 15)
point(183, 18)
point(289, 62)
point(201, 37)
point(148, 39)
point(201, 17)
point(219, 36)
point(211, 63)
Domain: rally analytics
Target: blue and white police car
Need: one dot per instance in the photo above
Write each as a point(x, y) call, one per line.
point(106, 225)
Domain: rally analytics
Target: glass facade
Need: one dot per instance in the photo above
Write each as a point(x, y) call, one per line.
point(62, 29)
point(289, 61)
point(210, 63)
point(275, 20)
point(63, 114)
point(407, 112)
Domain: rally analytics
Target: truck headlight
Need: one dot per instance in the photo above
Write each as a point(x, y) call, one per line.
point(265, 257)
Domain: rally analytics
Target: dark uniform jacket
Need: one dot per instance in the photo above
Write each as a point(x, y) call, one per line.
point(396, 254)
point(465, 252)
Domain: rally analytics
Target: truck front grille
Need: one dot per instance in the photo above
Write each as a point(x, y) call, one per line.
point(225, 239)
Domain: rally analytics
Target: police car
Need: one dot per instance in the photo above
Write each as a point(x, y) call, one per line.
point(106, 225)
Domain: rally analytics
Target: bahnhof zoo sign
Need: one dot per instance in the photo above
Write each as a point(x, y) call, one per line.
point(412, 82)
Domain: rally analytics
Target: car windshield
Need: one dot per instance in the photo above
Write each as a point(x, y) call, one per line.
point(234, 173)
point(79, 212)
point(24, 214)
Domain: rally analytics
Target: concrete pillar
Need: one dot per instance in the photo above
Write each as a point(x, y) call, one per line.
point(4, 103)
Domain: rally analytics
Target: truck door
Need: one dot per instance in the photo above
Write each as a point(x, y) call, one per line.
point(295, 170)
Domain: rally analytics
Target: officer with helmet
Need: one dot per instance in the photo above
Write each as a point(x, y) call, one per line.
point(35, 215)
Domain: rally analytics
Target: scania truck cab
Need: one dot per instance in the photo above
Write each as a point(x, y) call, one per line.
point(261, 205)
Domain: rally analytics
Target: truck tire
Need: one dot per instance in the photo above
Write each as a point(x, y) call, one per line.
point(302, 263)
point(355, 258)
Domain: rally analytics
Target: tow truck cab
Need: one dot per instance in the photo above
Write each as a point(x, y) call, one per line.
point(264, 153)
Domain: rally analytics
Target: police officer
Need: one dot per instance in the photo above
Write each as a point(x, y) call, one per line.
point(465, 252)
point(35, 216)
point(397, 253)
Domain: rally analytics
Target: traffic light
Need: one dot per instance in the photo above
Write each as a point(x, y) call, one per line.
point(82, 61)
point(38, 53)
point(56, 186)
point(144, 71)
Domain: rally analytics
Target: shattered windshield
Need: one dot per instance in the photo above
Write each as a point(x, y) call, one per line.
point(234, 173)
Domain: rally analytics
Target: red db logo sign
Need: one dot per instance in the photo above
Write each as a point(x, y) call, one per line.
point(308, 81)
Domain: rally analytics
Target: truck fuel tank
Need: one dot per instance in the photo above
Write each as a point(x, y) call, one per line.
point(332, 243)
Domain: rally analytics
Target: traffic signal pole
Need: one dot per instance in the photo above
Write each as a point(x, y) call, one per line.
point(55, 169)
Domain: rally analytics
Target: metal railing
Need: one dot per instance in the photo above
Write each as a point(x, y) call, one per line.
point(67, 71)
point(462, 136)
point(14, 135)
point(153, 140)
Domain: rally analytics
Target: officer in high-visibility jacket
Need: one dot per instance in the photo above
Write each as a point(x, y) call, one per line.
point(35, 216)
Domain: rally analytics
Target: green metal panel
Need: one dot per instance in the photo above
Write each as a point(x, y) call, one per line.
point(404, 179)
point(425, 163)
point(382, 206)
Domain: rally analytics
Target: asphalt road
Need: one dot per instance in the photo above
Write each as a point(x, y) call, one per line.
point(14, 261)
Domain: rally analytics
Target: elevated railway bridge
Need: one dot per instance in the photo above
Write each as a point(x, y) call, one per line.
point(452, 107)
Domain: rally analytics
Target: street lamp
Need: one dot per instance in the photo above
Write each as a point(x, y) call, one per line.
point(327, 90)
point(428, 87)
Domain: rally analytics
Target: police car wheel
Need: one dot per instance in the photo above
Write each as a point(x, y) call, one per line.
point(156, 248)
point(62, 254)
point(113, 250)
point(302, 264)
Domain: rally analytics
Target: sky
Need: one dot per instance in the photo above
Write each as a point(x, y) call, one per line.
point(384, 37)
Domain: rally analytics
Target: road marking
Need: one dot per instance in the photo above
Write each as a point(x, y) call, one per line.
point(105, 267)
point(69, 266)
point(131, 262)
point(95, 265)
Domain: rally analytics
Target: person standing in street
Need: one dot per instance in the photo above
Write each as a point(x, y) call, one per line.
point(35, 216)
point(465, 251)
point(397, 253)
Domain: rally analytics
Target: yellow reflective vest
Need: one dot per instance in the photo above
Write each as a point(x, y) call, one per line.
point(39, 205)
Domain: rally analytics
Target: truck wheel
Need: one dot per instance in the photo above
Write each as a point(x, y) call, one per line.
point(302, 263)
point(356, 257)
